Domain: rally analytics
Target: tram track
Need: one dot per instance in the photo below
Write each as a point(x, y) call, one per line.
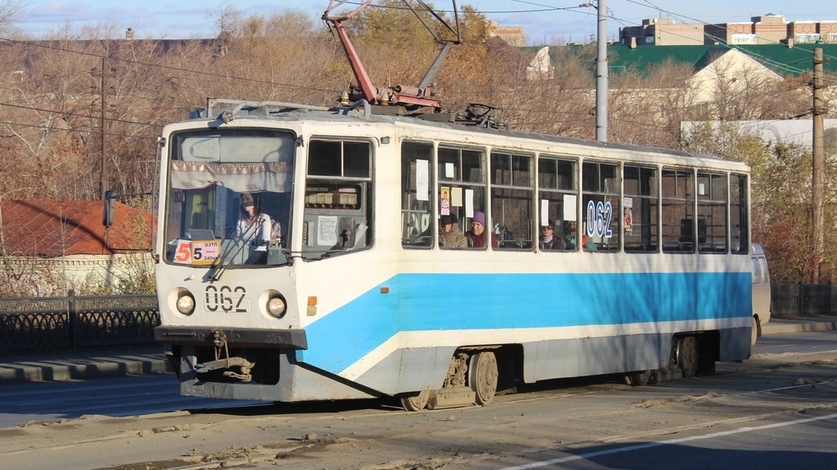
point(552, 418)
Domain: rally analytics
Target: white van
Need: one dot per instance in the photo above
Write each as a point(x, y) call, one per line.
point(761, 291)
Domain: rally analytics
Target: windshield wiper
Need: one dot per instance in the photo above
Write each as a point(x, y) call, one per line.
point(217, 268)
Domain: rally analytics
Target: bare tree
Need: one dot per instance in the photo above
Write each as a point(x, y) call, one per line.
point(11, 11)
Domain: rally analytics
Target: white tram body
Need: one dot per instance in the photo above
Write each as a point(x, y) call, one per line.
point(353, 297)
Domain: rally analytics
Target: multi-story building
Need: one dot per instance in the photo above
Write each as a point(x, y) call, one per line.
point(766, 29)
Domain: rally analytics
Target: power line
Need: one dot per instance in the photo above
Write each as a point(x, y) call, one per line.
point(86, 116)
point(58, 129)
point(166, 67)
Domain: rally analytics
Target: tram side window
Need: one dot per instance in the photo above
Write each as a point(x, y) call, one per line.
point(712, 212)
point(416, 195)
point(678, 211)
point(640, 212)
point(739, 215)
point(600, 192)
point(557, 200)
point(512, 191)
point(462, 192)
point(338, 195)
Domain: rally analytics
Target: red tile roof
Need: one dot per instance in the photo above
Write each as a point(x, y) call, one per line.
point(50, 228)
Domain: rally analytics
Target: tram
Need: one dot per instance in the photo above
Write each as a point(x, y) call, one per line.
point(302, 257)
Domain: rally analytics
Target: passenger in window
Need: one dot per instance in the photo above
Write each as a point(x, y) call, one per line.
point(588, 244)
point(476, 236)
point(570, 239)
point(449, 234)
point(253, 228)
point(548, 239)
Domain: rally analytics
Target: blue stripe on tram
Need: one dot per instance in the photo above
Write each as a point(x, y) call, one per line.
point(437, 302)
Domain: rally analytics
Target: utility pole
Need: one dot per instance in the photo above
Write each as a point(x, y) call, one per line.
point(601, 73)
point(818, 171)
point(104, 74)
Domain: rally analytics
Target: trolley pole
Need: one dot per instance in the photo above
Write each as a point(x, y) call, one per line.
point(601, 73)
point(818, 170)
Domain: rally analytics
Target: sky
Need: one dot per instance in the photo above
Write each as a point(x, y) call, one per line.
point(544, 21)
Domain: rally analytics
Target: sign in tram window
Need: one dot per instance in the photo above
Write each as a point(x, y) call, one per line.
point(333, 196)
point(416, 195)
point(197, 252)
point(462, 186)
point(600, 192)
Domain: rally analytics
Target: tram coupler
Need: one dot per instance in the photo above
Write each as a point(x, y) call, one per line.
point(451, 397)
point(230, 362)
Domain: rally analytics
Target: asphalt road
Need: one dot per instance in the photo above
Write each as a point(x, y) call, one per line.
point(777, 410)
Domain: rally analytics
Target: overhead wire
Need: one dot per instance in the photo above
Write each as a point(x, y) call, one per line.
point(42, 44)
point(251, 80)
point(162, 66)
point(69, 113)
point(58, 129)
point(786, 67)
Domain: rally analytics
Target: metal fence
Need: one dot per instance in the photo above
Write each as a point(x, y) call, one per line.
point(74, 322)
point(803, 300)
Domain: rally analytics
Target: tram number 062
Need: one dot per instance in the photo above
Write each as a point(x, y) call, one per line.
point(226, 299)
point(599, 216)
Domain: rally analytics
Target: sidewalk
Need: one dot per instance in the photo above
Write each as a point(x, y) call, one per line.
point(152, 360)
point(83, 365)
point(780, 326)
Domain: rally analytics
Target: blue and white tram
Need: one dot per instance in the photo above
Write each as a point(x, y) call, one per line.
point(350, 294)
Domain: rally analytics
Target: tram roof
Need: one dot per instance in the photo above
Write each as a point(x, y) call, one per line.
point(295, 112)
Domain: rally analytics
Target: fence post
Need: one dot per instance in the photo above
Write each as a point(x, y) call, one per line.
point(799, 300)
point(73, 319)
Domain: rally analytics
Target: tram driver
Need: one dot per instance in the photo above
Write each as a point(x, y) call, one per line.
point(253, 228)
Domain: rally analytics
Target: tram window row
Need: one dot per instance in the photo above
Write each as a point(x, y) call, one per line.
point(590, 205)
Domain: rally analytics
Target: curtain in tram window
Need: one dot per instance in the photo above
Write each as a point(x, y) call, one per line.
point(239, 177)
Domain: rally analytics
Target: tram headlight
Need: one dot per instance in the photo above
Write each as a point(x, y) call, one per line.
point(185, 303)
point(277, 307)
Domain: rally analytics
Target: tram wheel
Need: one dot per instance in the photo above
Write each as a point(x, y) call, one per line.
point(482, 376)
point(415, 401)
point(687, 355)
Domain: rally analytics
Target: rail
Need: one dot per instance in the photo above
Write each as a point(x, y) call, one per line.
point(75, 322)
point(803, 300)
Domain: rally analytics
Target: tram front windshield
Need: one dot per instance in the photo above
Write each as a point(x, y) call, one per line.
point(229, 197)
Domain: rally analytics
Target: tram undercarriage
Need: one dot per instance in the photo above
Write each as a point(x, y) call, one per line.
point(474, 375)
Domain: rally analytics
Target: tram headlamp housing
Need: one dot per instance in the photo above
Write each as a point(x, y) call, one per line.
point(277, 307)
point(185, 303)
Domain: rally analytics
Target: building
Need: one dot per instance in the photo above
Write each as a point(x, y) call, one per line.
point(512, 35)
point(662, 32)
point(48, 247)
point(766, 29)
